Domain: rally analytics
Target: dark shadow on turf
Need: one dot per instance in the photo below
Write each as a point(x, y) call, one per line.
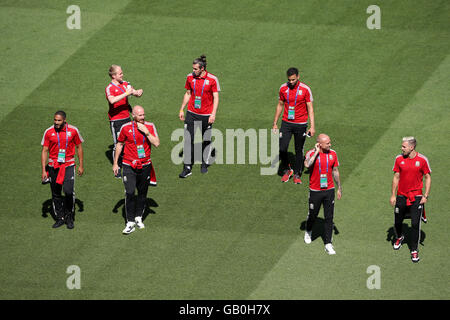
point(47, 208)
point(109, 153)
point(391, 237)
point(318, 229)
point(198, 145)
point(149, 204)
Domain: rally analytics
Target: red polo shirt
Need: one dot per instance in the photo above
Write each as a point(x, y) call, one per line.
point(316, 171)
point(411, 174)
point(202, 87)
point(50, 140)
point(133, 140)
point(121, 109)
point(295, 98)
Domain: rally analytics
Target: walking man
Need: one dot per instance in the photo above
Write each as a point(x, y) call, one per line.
point(409, 170)
point(323, 164)
point(59, 144)
point(136, 139)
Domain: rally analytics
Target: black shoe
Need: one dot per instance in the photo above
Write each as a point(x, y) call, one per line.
point(186, 172)
point(69, 223)
point(204, 168)
point(58, 223)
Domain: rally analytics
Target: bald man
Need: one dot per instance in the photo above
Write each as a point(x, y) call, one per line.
point(136, 139)
point(117, 93)
point(322, 162)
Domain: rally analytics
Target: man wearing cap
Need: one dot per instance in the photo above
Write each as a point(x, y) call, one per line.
point(59, 144)
point(410, 168)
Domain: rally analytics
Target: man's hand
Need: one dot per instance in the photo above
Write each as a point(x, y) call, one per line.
point(44, 175)
point(393, 200)
point(339, 194)
point(115, 168)
point(80, 170)
point(274, 128)
point(312, 131)
point(211, 119)
point(143, 128)
point(316, 148)
point(181, 115)
point(138, 93)
point(423, 200)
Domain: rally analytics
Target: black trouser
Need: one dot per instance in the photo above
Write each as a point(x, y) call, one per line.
point(191, 123)
point(415, 210)
point(115, 126)
point(286, 131)
point(316, 199)
point(135, 179)
point(63, 206)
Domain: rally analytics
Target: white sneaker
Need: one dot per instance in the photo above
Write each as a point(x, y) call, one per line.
point(129, 228)
point(329, 248)
point(139, 222)
point(308, 237)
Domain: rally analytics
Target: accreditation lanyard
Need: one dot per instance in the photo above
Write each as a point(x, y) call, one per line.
point(323, 176)
point(291, 109)
point(118, 87)
point(140, 148)
point(198, 99)
point(62, 152)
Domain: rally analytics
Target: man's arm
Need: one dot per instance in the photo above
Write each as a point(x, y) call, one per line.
point(309, 160)
point(44, 158)
point(427, 188)
point(395, 181)
point(278, 111)
point(186, 98)
point(212, 117)
point(115, 167)
point(312, 125)
point(337, 180)
point(80, 159)
point(114, 99)
point(154, 140)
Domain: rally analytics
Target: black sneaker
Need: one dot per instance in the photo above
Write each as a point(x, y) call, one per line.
point(204, 168)
point(69, 223)
point(186, 172)
point(58, 223)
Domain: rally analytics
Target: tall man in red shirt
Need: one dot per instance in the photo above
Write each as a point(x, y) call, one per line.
point(136, 139)
point(202, 99)
point(409, 170)
point(296, 99)
point(117, 93)
point(58, 156)
point(323, 164)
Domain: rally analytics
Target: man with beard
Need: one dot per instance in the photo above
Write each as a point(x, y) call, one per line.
point(136, 139)
point(202, 99)
point(295, 98)
point(409, 170)
point(322, 162)
point(117, 93)
point(58, 149)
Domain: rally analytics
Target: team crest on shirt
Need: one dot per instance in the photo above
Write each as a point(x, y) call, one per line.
point(331, 157)
point(69, 134)
point(300, 92)
point(403, 162)
point(130, 130)
point(417, 163)
point(206, 82)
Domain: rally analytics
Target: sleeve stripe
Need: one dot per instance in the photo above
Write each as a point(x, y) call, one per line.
point(426, 159)
point(307, 88)
point(43, 137)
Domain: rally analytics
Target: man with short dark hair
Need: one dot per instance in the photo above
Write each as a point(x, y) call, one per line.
point(202, 99)
point(409, 170)
point(136, 139)
point(117, 93)
point(296, 99)
point(59, 144)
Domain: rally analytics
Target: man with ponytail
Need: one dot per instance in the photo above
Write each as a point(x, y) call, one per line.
point(202, 100)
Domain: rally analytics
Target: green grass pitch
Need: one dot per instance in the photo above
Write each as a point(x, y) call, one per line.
point(232, 234)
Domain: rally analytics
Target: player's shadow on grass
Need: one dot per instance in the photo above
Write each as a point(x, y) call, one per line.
point(149, 204)
point(391, 237)
point(109, 153)
point(318, 229)
point(47, 208)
